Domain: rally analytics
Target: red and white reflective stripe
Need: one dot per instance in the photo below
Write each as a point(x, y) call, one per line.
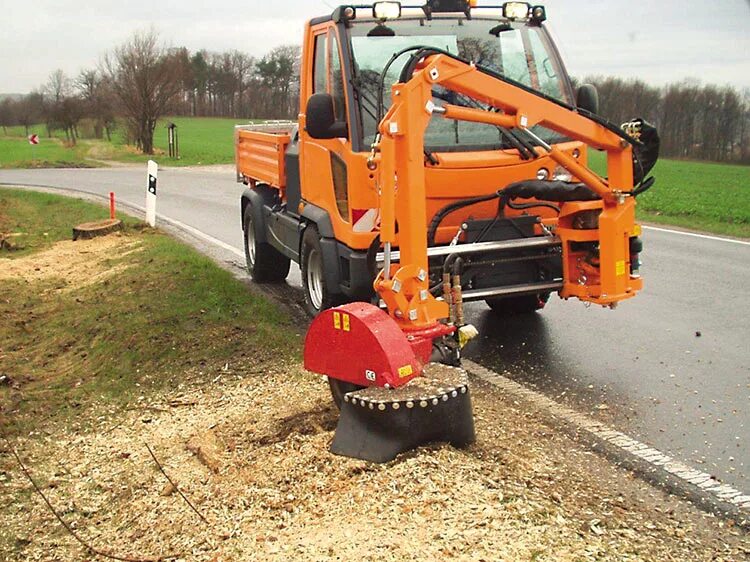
point(365, 220)
point(33, 139)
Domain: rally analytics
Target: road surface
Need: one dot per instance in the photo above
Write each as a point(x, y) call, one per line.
point(671, 367)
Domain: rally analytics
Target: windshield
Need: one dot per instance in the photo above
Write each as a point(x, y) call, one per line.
point(516, 50)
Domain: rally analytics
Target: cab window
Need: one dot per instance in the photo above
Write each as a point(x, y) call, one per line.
point(336, 79)
point(319, 69)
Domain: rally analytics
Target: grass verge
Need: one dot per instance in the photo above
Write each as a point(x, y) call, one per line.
point(98, 322)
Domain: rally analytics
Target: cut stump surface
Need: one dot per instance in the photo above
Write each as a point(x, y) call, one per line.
point(89, 230)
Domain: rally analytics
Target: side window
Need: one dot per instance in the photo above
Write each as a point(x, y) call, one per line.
point(319, 71)
point(336, 80)
point(549, 78)
point(515, 65)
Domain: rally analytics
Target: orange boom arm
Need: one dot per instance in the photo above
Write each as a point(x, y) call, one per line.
point(398, 156)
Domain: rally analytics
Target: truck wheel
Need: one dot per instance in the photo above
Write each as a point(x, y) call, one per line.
point(339, 388)
point(524, 304)
point(317, 295)
point(264, 262)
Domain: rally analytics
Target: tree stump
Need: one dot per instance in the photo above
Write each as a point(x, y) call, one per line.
point(88, 230)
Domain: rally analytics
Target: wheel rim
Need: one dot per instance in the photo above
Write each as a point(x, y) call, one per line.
point(250, 235)
point(315, 278)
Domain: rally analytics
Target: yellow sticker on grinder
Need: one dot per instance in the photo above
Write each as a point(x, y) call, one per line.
point(346, 322)
point(405, 371)
point(337, 320)
point(620, 268)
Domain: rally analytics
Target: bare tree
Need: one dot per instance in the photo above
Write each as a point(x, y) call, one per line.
point(28, 110)
point(7, 114)
point(144, 79)
point(97, 101)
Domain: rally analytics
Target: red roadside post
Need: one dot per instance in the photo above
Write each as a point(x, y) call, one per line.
point(112, 205)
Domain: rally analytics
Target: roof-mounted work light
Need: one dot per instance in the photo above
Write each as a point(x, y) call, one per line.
point(386, 10)
point(344, 14)
point(516, 10)
point(538, 14)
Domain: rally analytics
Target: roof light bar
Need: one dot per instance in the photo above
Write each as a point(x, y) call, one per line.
point(516, 10)
point(386, 10)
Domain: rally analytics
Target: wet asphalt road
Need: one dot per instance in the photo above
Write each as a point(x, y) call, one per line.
point(670, 367)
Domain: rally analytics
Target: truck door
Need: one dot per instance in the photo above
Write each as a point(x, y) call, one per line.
point(324, 160)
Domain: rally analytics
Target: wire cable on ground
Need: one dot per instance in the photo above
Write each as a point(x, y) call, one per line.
point(184, 497)
point(86, 545)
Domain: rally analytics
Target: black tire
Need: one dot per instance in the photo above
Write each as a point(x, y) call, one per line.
point(318, 297)
point(524, 304)
point(339, 388)
point(264, 262)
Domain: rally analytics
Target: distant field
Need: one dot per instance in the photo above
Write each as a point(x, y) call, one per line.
point(696, 195)
point(18, 153)
point(202, 141)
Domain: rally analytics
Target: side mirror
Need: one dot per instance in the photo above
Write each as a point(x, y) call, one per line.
point(321, 119)
point(588, 98)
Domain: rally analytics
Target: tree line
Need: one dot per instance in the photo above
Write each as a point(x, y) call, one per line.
point(142, 80)
point(695, 121)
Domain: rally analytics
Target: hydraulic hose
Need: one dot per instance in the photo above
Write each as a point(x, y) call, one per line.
point(448, 209)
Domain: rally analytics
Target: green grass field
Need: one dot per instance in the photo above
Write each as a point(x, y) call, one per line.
point(202, 141)
point(50, 153)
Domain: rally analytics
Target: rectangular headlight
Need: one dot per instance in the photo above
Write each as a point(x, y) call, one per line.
point(386, 10)
point(516, 10)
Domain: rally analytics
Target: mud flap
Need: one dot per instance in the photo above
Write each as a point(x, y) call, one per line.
point(377, 424)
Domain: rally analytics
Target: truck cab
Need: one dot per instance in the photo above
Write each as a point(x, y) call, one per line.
point(312, 195)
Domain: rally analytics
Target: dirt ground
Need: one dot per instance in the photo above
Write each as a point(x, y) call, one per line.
point(247, 442)
point(75, 264)
point(249, 450)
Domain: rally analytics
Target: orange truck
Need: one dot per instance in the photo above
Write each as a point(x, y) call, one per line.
point(446, 138)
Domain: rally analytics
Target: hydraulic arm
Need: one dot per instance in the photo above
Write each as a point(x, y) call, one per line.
point(362, 345)
point(398, 157)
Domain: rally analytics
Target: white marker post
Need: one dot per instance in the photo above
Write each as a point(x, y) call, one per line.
point(151, 193)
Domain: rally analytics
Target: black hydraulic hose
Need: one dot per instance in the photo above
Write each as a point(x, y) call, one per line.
point(525, 141)
point(644, 186)
point(524, 149)
point(411, 64)
point(383, 74)
point(445, 211)
point(521, 206)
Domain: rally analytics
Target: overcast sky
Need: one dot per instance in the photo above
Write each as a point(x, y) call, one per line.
point(658, 41)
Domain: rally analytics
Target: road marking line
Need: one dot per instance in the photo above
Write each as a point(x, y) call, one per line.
point(696, 235)
point(194, 231)
point(693, 482)
point(207, 237)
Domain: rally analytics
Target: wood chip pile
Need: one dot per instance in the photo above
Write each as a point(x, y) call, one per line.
point(252, 455)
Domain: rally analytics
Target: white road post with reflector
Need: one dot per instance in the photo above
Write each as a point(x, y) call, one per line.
point(151, 193)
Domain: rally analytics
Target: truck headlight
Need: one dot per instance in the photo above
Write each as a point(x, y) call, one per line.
point(516, 10)
point(386, 10)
